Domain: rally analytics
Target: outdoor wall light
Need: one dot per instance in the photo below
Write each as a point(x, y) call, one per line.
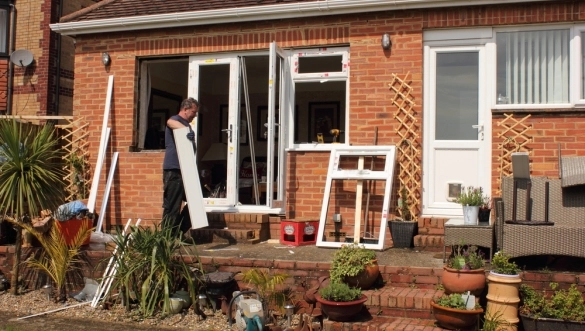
point(386, 42)
point(106, 58)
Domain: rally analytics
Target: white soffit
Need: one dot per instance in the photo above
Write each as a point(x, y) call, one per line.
point(260, 13)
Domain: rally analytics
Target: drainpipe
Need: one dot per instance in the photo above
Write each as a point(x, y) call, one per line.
point(10, 64)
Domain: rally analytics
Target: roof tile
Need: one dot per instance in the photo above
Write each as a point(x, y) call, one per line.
point(109, 9)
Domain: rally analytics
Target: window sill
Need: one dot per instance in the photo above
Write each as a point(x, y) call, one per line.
point(576, 109)
point(314, 147)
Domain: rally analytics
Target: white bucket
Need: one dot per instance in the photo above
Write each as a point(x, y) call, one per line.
point(470, 215)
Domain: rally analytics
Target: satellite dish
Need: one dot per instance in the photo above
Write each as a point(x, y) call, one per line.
point(21, 57)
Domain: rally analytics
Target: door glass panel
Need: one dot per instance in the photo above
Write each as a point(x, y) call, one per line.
point(457, 86)
point(213, 95)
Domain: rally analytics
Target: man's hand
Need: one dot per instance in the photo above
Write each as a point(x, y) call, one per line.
point(191, 136)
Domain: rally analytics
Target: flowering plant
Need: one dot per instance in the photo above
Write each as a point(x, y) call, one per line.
point(501, 264)
point(471, 196)
point(466, 258)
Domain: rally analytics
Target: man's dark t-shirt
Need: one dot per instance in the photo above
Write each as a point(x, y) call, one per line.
point(171, 160)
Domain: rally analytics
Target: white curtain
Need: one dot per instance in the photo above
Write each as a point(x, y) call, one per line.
point(533, 67)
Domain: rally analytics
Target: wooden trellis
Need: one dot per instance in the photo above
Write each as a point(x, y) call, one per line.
point(408, 149)
point(76, 163)
point(515, 138)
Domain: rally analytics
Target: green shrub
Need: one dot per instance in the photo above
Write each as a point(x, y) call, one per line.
point(340, 292)
point(350, 260)
point(562, 304)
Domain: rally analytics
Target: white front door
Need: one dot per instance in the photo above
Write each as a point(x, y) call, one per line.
point(457, 126)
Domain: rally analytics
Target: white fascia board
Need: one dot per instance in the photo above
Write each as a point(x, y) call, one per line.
point(259, 13)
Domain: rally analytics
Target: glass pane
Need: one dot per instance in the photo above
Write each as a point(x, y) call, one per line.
point(310, 64)
point(533, 67)
point(320, 112)
point(3, 29)
point(457, 82)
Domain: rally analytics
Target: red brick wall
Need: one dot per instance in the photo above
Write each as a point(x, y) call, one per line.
point(137, 190)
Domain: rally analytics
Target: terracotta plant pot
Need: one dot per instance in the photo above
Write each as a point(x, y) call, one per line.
point(341, 311)
point(503, 299)
point(461, 281)
point(365, 279)
point(455, 319)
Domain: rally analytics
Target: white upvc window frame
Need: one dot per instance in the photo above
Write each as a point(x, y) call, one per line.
point(487, 36)
point(576, 62)
point(297, 77)
point(575, 72)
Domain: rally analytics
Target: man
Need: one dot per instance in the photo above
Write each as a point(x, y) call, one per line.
point(174, 191)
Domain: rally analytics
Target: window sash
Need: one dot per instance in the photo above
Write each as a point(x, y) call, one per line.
point(533, 67)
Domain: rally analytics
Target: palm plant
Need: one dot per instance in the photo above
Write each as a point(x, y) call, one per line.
point(266, 284)
point(57, 259)
point(150, 267)
point(30, 176)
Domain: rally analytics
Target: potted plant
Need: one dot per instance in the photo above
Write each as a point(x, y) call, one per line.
point(464, 271)
point(340, 302)
point(355, 265)
point(456, 311)
point(485, 210)
point(503, 290)
point(403, 229)
point(470, 198)
point(58, 260)
point(563, 310)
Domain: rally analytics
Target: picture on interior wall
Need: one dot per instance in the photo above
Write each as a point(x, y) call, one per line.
point(223, 120)
point(323, 117)
point(159, 118)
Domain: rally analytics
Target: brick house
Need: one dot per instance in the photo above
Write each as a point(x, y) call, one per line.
point(484, 79)
point(30, 90)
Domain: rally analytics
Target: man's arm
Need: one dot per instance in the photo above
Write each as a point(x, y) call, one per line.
point(174, 124)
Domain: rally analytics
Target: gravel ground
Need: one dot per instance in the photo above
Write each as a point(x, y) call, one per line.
point(84, 317)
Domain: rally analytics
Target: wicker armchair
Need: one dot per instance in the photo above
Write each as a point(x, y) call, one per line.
point(566, 208)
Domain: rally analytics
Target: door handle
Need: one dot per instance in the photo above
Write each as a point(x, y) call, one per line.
point(479, 128)
point(229, 133)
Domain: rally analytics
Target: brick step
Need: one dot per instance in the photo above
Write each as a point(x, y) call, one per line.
point(224, 236)
point(381, 323)
point(426, 241)
point(393, 308)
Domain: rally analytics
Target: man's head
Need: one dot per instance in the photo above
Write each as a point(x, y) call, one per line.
point(189, 109)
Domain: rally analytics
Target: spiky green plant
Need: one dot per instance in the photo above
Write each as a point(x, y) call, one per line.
point(151, 266)
point(268, 286)
point(57, 259)
point(30, 176)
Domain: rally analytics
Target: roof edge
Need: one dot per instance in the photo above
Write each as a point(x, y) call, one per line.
point(256, 13)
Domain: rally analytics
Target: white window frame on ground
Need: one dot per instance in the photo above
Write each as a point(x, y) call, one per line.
point(297, 77)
